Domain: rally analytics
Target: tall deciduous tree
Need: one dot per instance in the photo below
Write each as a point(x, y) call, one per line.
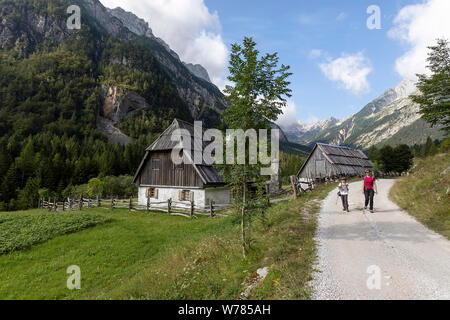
point(257, 96)
point(434, 99)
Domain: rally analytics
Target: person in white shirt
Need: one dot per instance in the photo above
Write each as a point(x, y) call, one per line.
point(343, 191)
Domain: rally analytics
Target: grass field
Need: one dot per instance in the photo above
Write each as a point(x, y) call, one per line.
point(155, 256)
point(20, 231)
point(425, 193)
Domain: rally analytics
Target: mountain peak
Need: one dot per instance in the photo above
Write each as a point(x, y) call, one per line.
point(141, 27)
point(198, 70)
point(132, 22)
point(405, 88)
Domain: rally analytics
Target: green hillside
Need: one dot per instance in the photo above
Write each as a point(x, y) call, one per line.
point(425, 193)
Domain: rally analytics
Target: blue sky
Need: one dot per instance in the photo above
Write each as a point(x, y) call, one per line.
point(339, 64)
point(294, 28)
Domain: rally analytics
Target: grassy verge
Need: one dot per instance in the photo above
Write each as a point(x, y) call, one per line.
point(425, 193)
point(142, 256)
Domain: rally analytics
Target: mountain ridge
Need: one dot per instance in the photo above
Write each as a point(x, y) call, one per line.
point(386, 118)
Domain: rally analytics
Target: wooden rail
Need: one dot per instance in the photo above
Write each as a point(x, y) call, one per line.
point(184, 209)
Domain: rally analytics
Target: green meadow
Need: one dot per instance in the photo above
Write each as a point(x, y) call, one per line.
point(139, 255)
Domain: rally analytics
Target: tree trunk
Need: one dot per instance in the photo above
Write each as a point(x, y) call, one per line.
point(244, 194)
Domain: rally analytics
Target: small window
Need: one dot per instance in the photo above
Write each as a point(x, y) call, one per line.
point(156, 164)
point(152, 193)
point(186, 195)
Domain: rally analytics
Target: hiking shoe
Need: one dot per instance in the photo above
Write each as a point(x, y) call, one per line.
point(371, 211)
point(365, 208)
point(348, 210)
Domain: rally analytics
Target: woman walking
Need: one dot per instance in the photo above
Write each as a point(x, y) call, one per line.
point(369, 189)
point(343, 191)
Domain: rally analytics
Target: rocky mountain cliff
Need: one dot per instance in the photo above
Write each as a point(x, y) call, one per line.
point(27, 27)
point(192, 82)
point(141, 28)
point(387, 119)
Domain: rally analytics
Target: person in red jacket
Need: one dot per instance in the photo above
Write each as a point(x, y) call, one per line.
point(369, 189)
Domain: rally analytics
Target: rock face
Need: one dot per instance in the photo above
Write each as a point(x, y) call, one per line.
point(119, 104)
point(198, 71)
point(391, 118)
point(141, 28)
point(200, 96)
point(38, 29)
point(114, 135)
point(132, 22)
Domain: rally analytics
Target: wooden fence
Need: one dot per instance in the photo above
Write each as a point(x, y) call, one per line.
point(174, 208)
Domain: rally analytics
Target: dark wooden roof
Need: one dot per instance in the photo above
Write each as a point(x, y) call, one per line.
point(165, 143)
point(209, 174)
point(343, 158)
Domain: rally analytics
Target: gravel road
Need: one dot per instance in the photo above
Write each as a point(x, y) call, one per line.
point(381, 255)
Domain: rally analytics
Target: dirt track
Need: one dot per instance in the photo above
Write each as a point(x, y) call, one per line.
point(388, 247)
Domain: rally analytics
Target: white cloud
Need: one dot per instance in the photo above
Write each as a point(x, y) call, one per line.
point(188, 27)
point(310, 120)
point(419, 26)
point(350, 71)
point(289, 116)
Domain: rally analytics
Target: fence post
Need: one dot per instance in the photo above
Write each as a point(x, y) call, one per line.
point(55, 205)
point(192, 209)
point(211, 208)
point(39, 202)
point(64, 204)
point(169, 205)
point(131, 204)
point(48, 204)
point(294, 188)
point(112, 203)
point(99, 203)
point(81, 203)
point(148, 203)
point(70, 204)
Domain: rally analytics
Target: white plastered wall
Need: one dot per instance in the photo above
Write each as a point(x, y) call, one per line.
point(201, 196)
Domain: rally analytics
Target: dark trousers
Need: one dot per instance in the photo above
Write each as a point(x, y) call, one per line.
point(344, 199)
point(369, 193)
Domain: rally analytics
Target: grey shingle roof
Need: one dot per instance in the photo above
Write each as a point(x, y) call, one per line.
point(209, 174)
point(346, 156)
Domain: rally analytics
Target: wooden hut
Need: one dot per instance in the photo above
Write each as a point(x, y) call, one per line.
point(160, 179)
point(328, 161)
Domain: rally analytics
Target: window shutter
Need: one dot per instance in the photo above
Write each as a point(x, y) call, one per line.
point(147, 190)
point(180, 195)
point(191, 195)
point(156, 193)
